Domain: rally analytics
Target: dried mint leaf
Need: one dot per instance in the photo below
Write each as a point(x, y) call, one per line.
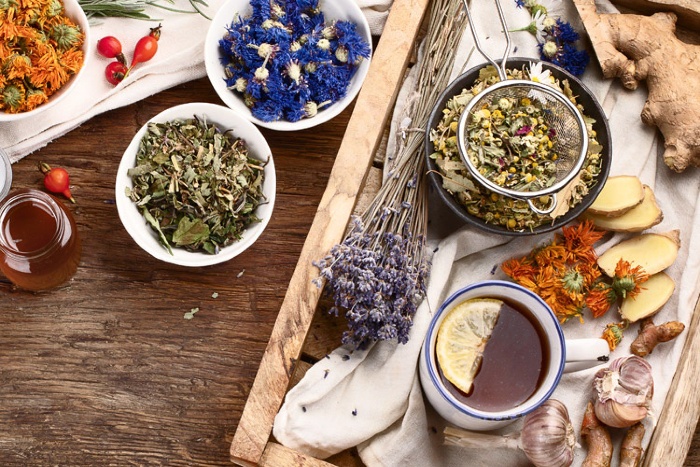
point(196, 185)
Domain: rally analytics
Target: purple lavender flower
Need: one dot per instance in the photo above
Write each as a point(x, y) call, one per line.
point(377, 282)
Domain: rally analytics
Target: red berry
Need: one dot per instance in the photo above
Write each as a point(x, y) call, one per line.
point(146, 47)
point(115, 72)
point(56, 180)
point(110, 47)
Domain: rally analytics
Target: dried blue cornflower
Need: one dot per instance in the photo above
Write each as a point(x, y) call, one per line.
point(565, 55)
point(285, 60)
point(557, 38)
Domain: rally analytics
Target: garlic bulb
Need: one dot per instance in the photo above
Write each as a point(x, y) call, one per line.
point(624, 391)
point(547, 437)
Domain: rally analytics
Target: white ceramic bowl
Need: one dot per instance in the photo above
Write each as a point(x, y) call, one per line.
point(333, 10)
point(145, 236)
point(76, 13)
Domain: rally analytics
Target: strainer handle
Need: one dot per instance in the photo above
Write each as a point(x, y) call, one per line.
point(550, 208)
point(502, 67)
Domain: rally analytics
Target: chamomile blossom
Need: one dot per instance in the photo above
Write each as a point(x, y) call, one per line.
point(539, 75)
point(536, 27)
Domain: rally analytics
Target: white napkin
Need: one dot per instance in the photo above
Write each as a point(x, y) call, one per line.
point(373, 399)
point(180, 58)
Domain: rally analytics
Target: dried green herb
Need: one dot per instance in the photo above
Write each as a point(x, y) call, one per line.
point(494, 208)
point(196, 185)
point(510, 143)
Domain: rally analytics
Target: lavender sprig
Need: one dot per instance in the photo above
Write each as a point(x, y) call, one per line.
point(377, 275)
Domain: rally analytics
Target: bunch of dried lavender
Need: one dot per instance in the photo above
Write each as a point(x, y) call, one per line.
point(377, 275)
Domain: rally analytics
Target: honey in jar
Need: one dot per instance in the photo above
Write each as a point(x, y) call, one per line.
point(39, 243)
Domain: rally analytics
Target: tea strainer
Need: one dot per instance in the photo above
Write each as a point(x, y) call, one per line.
point(560, 115)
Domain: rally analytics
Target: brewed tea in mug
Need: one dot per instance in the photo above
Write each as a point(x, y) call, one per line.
point(513, 364)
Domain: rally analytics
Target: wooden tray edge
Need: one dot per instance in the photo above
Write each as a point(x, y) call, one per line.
point(674, 431)
point(373, 108)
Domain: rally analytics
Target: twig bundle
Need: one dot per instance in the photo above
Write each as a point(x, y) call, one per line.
point(377, 276)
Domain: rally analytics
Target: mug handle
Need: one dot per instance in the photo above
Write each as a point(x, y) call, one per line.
point(585, 353)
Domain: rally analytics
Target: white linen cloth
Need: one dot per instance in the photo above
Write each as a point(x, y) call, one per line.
point(180, 58)
point(373, 399)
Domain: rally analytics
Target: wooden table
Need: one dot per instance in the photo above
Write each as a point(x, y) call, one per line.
point(106, 370)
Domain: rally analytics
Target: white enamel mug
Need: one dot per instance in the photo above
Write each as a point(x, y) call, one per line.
point(564, 356)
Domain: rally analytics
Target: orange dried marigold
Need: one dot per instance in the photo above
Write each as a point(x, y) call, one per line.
point(40, 49)
point(627, 279)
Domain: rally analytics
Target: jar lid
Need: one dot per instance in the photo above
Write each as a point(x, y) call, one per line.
point(5, 174)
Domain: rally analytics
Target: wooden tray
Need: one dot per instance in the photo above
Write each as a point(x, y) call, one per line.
point(301, 336)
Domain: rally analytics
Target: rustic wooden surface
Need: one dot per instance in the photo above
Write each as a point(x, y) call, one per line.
point(106, 371)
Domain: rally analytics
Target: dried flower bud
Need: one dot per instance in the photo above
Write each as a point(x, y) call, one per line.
point(311, 67)
point(323, 44)
point(294, 71)
point(12, 96)
point(328, 32)
point(241, 85)
point(262, 73)
point(504, 104)
point(550, 49)
point(265, 50)
point(549, 22)
point(311, 109)
point(341, 53)
point(65, 36)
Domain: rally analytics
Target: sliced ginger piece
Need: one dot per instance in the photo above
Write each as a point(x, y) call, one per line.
point(619, 195)
point(641, 217)
point(654, 294)
point(654, 252)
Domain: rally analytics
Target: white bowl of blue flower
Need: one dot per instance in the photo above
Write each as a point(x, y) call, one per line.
point(289, 65)
point(197, 185)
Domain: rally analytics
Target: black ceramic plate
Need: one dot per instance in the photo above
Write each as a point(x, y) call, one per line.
point(583, 97)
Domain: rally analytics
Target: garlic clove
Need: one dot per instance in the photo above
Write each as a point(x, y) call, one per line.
point(624, 391)
point(547, 437)
point(619, 415)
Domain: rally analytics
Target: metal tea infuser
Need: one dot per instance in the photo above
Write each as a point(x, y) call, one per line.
point(560, 114)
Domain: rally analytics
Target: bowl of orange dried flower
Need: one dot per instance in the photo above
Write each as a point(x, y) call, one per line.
point(43, 56)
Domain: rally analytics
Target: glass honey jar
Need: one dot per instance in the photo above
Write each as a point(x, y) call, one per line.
point(39, 243)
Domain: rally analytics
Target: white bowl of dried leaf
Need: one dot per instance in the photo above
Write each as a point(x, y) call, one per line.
point(196, 186)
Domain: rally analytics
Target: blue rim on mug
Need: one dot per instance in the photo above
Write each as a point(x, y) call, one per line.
point(429, 355)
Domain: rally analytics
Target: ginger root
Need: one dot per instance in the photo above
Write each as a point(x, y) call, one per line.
point(619, 195)
point(654, 252)
point(650, 335)
point(595, 434)
point(636, 48)
point(654, 294)
point(640, 217)
point(631, 450)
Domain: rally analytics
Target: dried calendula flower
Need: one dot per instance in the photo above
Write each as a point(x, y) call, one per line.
point(40, 50)
point(195, 184)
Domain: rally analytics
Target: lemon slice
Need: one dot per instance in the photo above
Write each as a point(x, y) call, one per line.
point(462, 337)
